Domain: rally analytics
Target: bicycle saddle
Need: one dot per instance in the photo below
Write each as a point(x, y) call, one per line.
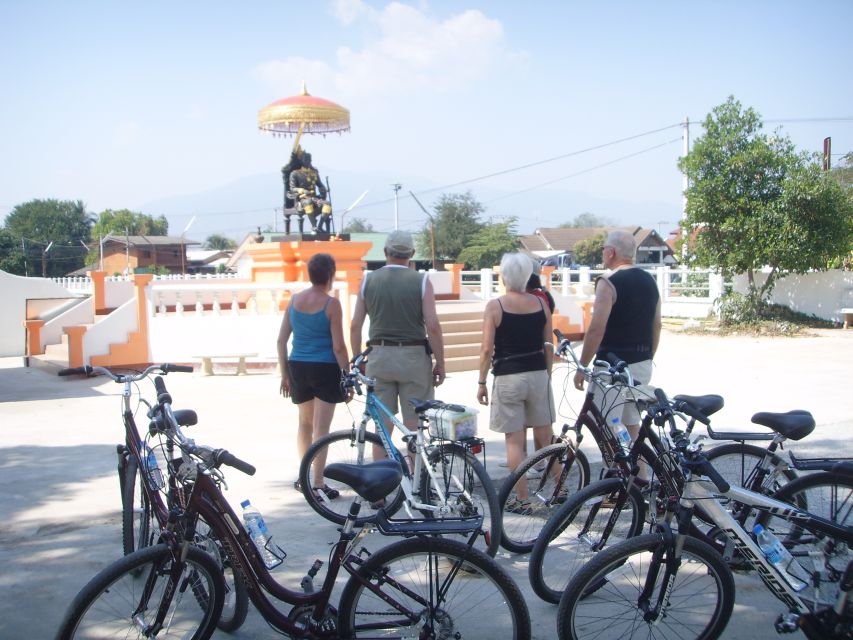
point(707, 404)
point(794, 425)
point(371, 481)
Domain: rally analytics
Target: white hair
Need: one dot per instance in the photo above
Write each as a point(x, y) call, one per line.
point(515, 271)
point(624, 244)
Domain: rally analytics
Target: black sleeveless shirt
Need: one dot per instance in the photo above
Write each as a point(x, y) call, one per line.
point(519, 343)
point(630, 326)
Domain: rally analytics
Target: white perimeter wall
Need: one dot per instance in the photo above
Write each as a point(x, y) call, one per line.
point(14, 292)
point(820, 294)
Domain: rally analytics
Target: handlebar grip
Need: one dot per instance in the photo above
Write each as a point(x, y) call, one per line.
point(615, 361)
point(177, 368)
point(458, 408)
point(559, 335)
point(163, 396)
point(75, 371)
point(223, 457)
point(719, 481)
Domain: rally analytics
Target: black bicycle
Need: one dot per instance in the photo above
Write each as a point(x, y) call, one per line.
point(424, 586)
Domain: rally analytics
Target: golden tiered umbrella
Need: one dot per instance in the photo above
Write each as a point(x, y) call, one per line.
point(303, 114)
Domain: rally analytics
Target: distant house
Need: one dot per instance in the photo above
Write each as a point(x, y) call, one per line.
point(207, 260)
point(651, 248)
point(140, 254)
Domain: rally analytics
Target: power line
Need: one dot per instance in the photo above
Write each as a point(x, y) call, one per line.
point(598, 166)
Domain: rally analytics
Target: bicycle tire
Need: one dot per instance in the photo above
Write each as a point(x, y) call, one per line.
point(137, 517)
point(481, 600)
point(547, 494)
point(463, 476)
point(570, 537)
point(601, 600)
point(826, 494)
point(737, 462)
point(339, 446)
point(115, 595)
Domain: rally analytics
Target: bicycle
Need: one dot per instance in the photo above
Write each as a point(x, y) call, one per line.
point(421, 586)
point(142, 485)
point(668, 581)
point(445, 478)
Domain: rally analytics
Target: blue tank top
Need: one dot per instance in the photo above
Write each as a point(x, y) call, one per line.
point(312, 336)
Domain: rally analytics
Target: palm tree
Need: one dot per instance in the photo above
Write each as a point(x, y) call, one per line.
point(220, 242)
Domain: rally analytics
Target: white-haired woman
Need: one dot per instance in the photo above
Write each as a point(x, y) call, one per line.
point(516, 327)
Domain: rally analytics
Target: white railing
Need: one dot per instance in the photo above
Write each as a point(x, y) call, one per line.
point(75, 284)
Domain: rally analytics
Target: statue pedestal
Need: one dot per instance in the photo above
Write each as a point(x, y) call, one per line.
point(319, 236)
point(287, 261)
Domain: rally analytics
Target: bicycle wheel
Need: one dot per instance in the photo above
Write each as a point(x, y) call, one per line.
point(432, 587)
point(552, 474)
point(123, 599)
point(235, 601)
point(601, 601)
point(341, 446)
point(830, 496)
point(738, 463)
point(467, 488)
point(137, 517)
point(596, 517)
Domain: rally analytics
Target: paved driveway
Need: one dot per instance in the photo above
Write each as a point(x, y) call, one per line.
point(60, 504)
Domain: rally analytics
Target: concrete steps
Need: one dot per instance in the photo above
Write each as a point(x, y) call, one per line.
point(461, 325)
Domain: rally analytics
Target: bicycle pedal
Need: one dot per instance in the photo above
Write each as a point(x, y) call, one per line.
point(787, 623)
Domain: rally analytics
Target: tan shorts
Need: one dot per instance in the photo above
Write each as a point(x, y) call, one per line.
point(521, 400)
point(610, 403)
point(402, 373)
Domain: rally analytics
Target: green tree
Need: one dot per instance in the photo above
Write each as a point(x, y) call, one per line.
point(121, 221)
point(589, 250)
point(457, 221)
point(219, 242)
point(755, 202)
point(53, 233)
point(358, 225)
point(843, 172)
point(11, 255)
point(487, 246)
point(587, 220)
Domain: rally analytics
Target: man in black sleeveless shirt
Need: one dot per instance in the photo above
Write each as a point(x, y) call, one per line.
point(626, 319)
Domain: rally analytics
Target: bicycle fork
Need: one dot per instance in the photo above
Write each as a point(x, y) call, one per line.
point(672, 544)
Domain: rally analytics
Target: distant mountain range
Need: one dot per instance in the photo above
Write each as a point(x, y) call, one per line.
point(239, 207)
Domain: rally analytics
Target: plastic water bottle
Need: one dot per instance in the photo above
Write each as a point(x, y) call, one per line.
point(620, 432)
point(152, 471)
point(258, 532)
point(778, 556)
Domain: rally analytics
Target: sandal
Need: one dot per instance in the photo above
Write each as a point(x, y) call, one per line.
point(519, 507)
point(327, 491)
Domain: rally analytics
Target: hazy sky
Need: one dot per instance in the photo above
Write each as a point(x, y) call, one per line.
point(121, 104)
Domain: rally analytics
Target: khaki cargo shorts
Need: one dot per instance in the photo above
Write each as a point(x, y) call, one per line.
point(521, 400)
point(612, 404)
point(401, 373)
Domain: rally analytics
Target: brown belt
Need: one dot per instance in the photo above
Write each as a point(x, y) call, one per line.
point(396, 343)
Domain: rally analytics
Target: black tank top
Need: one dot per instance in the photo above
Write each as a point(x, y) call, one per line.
point(630, 326)
point(518, 342)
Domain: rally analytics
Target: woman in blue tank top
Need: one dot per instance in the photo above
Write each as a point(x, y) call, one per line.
point(311, 371)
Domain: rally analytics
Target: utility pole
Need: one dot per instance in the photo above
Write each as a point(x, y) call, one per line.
point(44, 260)
point(431, 225)
point(127, 252)
point(685, 184)
point(24, 252)
point(396, 187)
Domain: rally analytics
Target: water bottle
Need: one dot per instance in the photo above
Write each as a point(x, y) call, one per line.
point(153, 475)
point(258, 532)
point(778, 556)
point(620, 432)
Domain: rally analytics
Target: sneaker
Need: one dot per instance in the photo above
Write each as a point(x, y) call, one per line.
point(537, 470)
point(503, 463)
point(519, 507)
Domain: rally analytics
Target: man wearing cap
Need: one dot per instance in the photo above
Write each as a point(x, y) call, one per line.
point(404, 330)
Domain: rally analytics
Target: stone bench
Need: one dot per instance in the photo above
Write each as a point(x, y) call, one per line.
point(207, 362)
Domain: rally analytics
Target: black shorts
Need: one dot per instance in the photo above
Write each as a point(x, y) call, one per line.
point(309, 380)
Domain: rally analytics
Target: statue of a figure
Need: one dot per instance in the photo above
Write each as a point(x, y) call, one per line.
point(306, 194)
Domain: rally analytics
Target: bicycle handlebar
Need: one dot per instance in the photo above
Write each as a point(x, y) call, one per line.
point(163, 369)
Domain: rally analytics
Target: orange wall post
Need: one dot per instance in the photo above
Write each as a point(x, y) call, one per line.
point(75, 345)
point(98, 285)
point(546, 276)
point(33, 328)
point(455, 277)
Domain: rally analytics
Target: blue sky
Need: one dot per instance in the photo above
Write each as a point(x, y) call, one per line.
point(153, 106)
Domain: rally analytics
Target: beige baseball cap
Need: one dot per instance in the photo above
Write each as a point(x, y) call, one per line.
point(400, 241)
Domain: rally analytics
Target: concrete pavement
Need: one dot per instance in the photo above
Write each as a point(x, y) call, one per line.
point(61, 509)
